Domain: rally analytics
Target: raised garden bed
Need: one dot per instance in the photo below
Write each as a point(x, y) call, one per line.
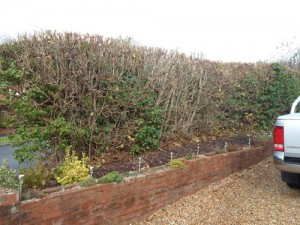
point(136, 197)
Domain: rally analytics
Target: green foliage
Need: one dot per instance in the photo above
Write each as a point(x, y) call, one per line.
point(30, 140)
point(72, 170)
point(114, 176)
point(11, 75)
point(219, 150)
point(88, 181)
point(257, 100)
point(147, 138)
point(8, 176)
point(278, 96)
point(153, 117)
point(36, 177)
point(189, 157)
point(45, 142)
point(91, 115)
point(93, 92)
point(175, 163)
point(135, 150)
point(4, 140)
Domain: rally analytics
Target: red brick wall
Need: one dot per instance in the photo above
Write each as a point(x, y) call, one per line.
point(133, 199)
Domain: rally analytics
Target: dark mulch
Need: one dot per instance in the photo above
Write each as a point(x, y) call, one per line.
point(124, 162)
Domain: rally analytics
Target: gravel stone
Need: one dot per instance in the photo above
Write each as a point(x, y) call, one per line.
point(254, 196)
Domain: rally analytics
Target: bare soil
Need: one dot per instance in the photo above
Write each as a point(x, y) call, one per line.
point(124, 162)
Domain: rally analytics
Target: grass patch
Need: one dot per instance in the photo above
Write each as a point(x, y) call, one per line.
point(4, 140)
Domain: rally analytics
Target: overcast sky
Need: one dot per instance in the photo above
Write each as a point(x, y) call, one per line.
point(225, 30)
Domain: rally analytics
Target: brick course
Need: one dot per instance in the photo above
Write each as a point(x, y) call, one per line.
point(129, 201)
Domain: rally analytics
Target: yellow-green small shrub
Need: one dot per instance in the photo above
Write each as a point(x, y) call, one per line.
point(175, 163)
point(72, 170)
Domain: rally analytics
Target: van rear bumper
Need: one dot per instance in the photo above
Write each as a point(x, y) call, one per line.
point(280, 164)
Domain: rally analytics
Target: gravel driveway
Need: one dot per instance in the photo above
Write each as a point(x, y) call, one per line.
point(253, 196)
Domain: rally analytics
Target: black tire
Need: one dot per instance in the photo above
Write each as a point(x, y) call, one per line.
point(294, 186)
point(292, 179)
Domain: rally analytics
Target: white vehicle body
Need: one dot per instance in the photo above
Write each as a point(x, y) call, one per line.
point(286, 139)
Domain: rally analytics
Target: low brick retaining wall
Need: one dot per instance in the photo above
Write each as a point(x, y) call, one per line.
point(132, 200)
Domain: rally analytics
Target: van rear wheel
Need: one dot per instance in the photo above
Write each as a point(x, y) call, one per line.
point(292, 179)
point(294, 186)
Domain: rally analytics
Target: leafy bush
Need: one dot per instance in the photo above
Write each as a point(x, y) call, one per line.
point(189, 157)
point(219, 150)
point(88, 181)
point(92, 92)
point(8, 176)
point(147, 139)
point(259, 97)
point(36, 177)
point(4, 140)
point(111, 177)
point(72, 170)
point(175, 163)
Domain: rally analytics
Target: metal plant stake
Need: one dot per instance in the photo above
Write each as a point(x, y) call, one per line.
point(21, 178)
point(140, 163)
point(91, 170)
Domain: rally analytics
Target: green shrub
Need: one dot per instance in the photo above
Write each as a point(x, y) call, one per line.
point(4, 140)
point(111, 177)
point(189, 157)
point(219, 150)
point(146, 139)
point(175, 163)
point(136, 150)
point(8, 176)
point(87, 182)
point(72, 170)
point(257, 98)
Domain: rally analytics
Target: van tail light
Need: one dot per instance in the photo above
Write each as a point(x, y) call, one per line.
point(278, 138)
